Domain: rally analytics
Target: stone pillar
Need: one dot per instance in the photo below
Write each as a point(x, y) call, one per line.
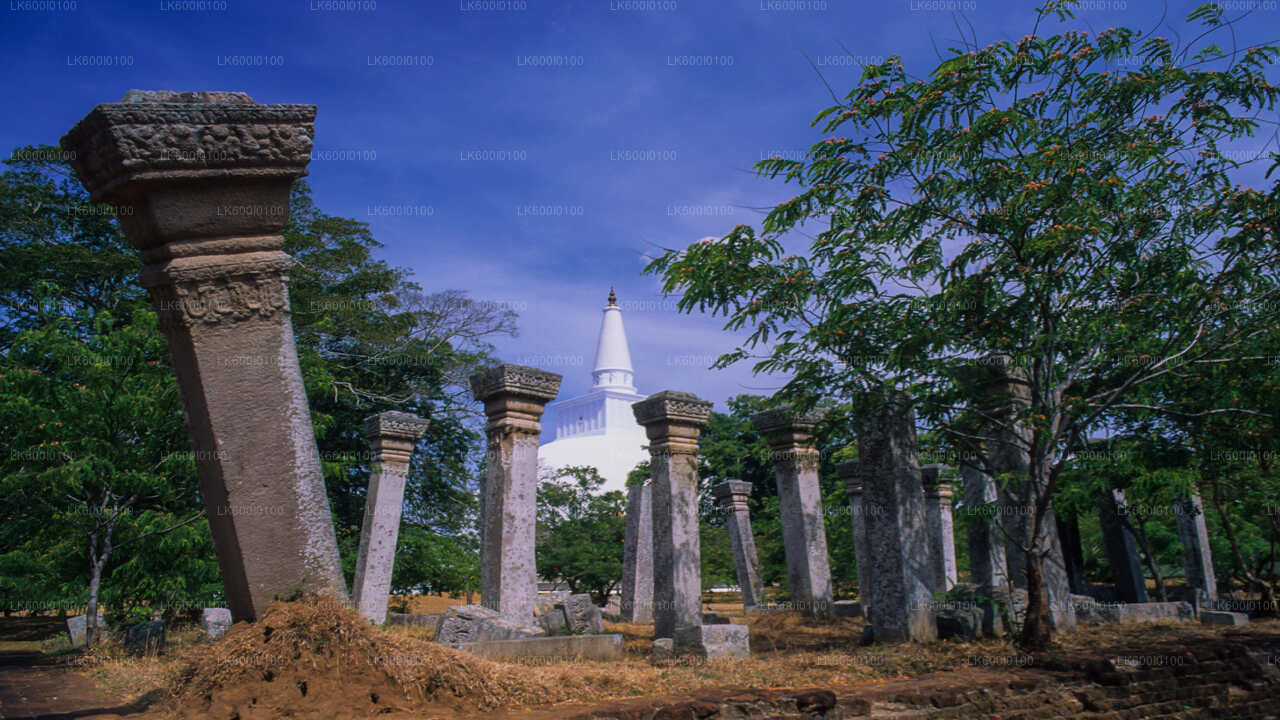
point(1073, 555)
point(514, 397)
point(1197, 558)
point(732, 496)
point(987, 567)
point(673, 421)
point(893, 503)
point(201, 182)
point(804, 536)
point(637, 557)
point(850, 472)
point(1009, 455)
point(936, 479)
point(1122, 549)
point(392, 436)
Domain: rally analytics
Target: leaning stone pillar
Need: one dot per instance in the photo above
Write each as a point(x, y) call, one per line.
point(392, 436)
point(941, 524)
point(637, 557)
point(732, 496)
point(1073, 555)
point(514, 397)
point(893, 502)
point(1122, 549)
point(804, 536)
point(850, 472)
point(1197, 559)
point(201, 181)
point(673, 421)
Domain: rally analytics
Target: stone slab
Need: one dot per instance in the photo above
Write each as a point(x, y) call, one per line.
point(583, 615)
point(714, 641)
point(560, 647)
point(1092, 611)
point(76, 628)
point(847, 608)
point(1221, 617)
point(146, 637)
point(413, 619)
point(476, 623)
point(215, 622)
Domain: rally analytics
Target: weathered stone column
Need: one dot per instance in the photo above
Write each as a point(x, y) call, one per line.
point(514, 397)
point(1122, 549)
point(850, 472)
point(795, 464)
point(1073, 555)
point(987, 567)
point(893, 503)
point(637, 556)
point(732, 496)
point(201, 183)
point(1197, 558)
point(673, 421)
point(392, 436)
point(942, 532)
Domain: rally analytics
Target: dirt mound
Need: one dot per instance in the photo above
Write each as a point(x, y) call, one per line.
point(319, 658)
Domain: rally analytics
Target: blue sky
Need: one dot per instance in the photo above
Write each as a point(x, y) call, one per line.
point(528, 152)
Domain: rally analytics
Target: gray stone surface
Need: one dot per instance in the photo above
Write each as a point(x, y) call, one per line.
point(413, 619)
point(146, 637)
point(202, 183)
point(672, 422)
point(554, 620)
point(1073, 555)
point(987, 569)
point(1220, 617)
point(514, 398)
point(893, 500)
point(476, 623)
point(663, 647)
point(1092, 611)
point(563, 647)
point(847, 608)
point(714, 641)
point(392, 435)
point(215, 622)
point(942, 532)
point(732, 496)
point(959, 622)
point(1122, 549)
point(76, 628)
point(637, 557)
point(850, 473)
point(795, 463)
point(583, 615)
point(1197, 558)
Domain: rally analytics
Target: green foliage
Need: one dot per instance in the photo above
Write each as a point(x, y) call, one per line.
point(580, 532)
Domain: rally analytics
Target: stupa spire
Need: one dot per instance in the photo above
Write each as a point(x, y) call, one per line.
point(613, 357)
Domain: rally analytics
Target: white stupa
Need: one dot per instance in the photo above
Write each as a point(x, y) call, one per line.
point(597, 427)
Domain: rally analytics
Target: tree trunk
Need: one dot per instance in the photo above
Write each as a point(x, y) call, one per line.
point(91, 629)
point(1035, 626)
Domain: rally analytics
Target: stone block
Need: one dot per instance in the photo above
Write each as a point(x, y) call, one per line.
point(554, 621)
point(636, 605)
point(76, 627)
point(563, 647)
point(215, 622)
point(1221, 617)
point(961, 622)
point(413, 619)
point(146, 637)
point(1092, 611)
point(476, 623)
point(714, 641)
point(847, 608)
point(583, 615)
point(663, 647)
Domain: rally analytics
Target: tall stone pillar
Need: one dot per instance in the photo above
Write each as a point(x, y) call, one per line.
point(637, 556)
point(893, 503)
point(942, 532)
point(732, 496)
point(1073, 555)
point(673, 421)
point(392, 436)
point(1122, 549)
point(201, 181)
point(514, 397)
point(987, 567)
point(850, 473)
point(1197, 558)
point(1008, 453)
point(804, 536)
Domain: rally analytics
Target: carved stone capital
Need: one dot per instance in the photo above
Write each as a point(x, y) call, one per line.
point(732, 494)
point(784, 428)
point(850, 472)
point(225, 289)
point(672, 421)
point(393, 434)
point(515, 396)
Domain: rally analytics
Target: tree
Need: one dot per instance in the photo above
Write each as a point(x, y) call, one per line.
point(580, 531)
point(1025, 200)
